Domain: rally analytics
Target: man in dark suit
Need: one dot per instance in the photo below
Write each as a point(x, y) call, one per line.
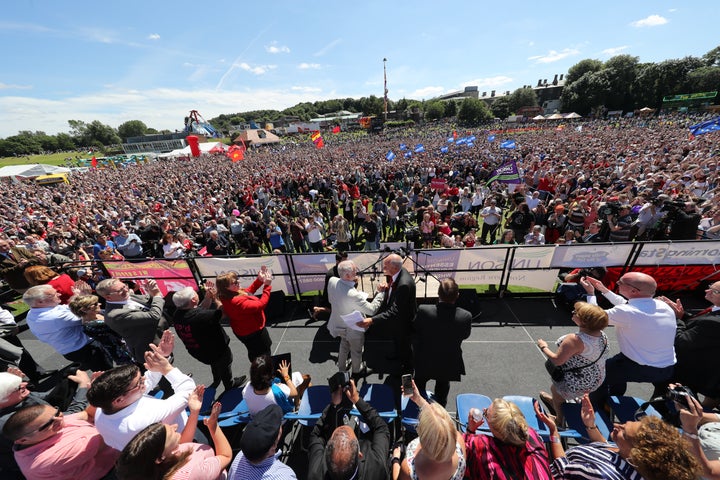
point(13, 262)
point(137, 318)
point(439, 332)
point(198, 326)
point(591, 235)
point(394, 321)
point(697, 341)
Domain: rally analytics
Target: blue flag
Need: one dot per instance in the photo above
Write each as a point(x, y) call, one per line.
point(403, 147)
point(706, 127)
point(450, 139)
point(470, 144)
point(491, 138)
point(419, 148)
point(390, 156)
point(444, 149)
point(408, 154)
point(471, 138)
point(509, 144)
point(461, 141)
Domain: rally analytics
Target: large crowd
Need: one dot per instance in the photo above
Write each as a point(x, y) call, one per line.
point(293, 197)
point(137, 415)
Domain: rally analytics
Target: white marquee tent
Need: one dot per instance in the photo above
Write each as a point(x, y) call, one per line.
point(33, 170)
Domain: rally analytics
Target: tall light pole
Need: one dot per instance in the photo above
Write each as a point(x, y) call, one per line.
point(386, 90)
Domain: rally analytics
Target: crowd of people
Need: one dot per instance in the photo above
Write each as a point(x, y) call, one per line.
point(137, 415)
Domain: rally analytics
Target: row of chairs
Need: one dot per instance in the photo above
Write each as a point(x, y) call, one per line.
point(315, 398)
point(624, 409)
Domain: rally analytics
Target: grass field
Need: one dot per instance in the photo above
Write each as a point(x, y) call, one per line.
point(52, 159)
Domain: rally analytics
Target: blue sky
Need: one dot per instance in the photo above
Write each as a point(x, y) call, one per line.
point(156, 60)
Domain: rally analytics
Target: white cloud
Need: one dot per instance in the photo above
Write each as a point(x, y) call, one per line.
point(490, 82)
point(257, 69)
point(614, 50)
point(162, 108)
point(154, 36)
point(531, 44)
point(297, 88)
point(554, 55)
point(9, 86)
point(274, 48)
point(426, 92)
point(651, 21)
point(309, 66)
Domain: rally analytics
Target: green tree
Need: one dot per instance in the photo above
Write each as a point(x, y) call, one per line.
point(620, 72)
point(450, 109)
point(581, 68)
point(473, 112)
point(103, 134)
point(65, 142)
point(501, 107)
point(434, 110)
point(522, 97)
point(132, 128)
point(712, 58)
point(372, 105)
point(704, 79)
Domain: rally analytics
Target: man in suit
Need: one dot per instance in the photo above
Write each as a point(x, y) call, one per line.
point(697, 342)
point(439, 332)
point(394, 321)
point(591, 235)
point(198, 326)
point(137, 318)
point(344, 299)
point(13, 262)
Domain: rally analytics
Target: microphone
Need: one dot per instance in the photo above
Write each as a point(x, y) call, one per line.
point(374, 275)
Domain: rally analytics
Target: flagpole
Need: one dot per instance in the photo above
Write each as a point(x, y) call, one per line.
point(386, 90)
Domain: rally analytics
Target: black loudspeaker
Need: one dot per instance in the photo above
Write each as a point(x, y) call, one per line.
point(275, 309)
point(469, 300)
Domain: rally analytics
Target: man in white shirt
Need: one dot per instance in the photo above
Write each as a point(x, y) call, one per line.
point(491, 216)
point(124, 406)
point(645, 329)
point(344, 298)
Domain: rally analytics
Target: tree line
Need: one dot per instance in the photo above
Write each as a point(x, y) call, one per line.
point(620, 83)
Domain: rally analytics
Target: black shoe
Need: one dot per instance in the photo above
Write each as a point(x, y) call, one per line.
point(363, 372)
point(238, 382)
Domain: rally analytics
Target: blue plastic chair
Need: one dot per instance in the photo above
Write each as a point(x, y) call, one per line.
point(464, 402)
point(381, 397)
point(232, 403)
point(238, 415)
point(625, 407)
point(410, 412)
point(313, 402)
point(573, 419)
point(527, 407)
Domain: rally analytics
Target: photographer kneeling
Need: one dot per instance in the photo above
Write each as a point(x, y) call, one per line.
point(335, 452)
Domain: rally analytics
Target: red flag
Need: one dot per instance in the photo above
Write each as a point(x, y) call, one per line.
point(236, 153)
point(455, 134)
point(336, 129)
point(317, 139)
point(93, 162)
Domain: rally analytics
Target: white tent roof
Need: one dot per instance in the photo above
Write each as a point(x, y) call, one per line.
point(205, 147)
point(33, 170)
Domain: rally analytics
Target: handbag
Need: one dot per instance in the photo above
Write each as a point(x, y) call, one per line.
point(557, 373)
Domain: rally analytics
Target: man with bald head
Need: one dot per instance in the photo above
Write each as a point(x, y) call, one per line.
point(645, 329)
point(336, 453)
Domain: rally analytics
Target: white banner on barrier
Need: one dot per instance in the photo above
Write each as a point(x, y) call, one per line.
point(585, 255)
point(493, 258)
point(706, 252)
point(248, 268)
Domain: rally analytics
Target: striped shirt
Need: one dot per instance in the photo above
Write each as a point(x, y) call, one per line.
point(593, 461)
point(269, 469)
